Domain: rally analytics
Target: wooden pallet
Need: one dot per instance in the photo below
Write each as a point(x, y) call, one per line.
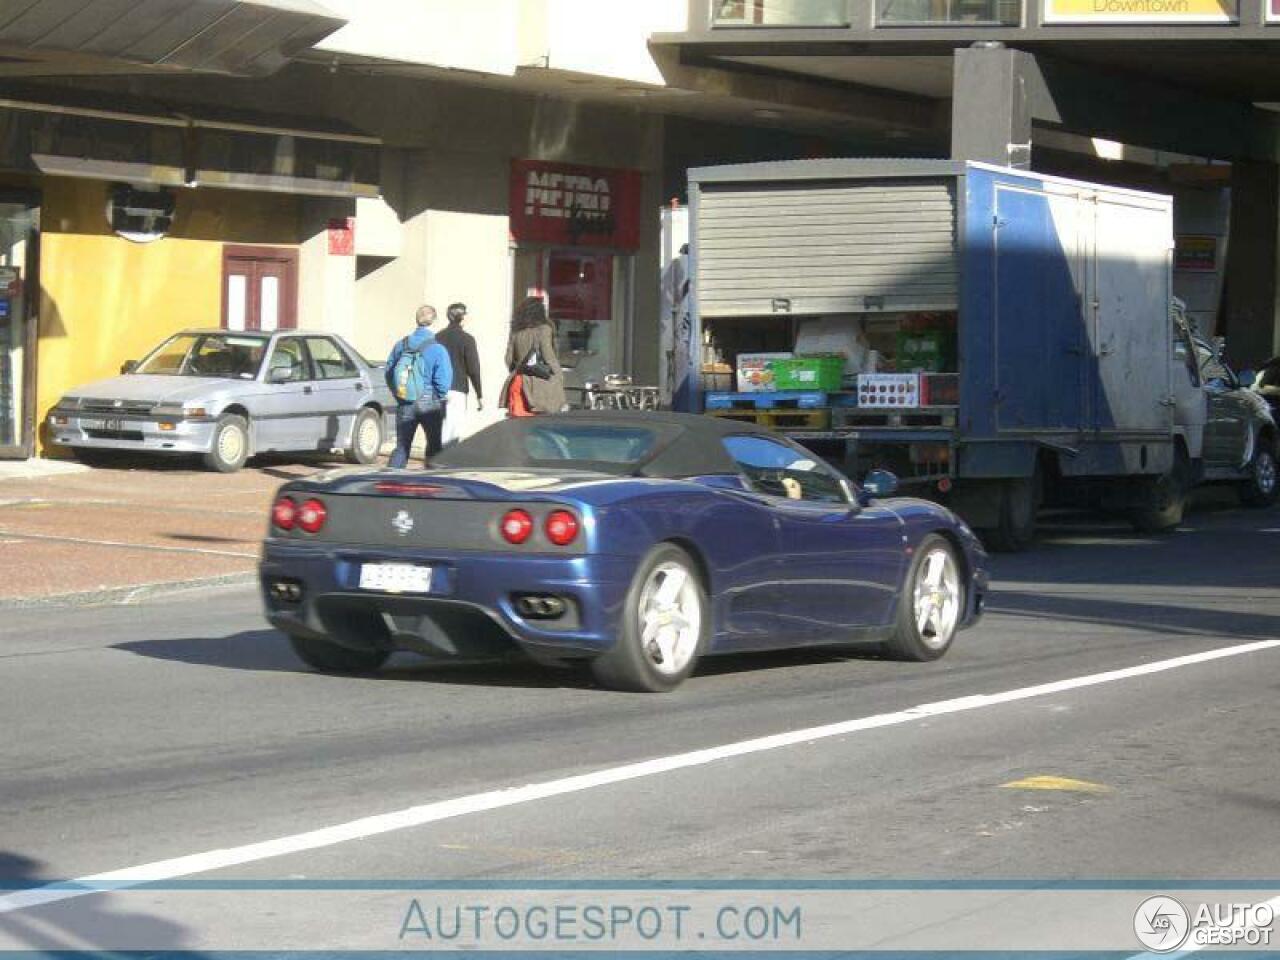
point(768, 400)
point(779, 419)
point(853, 418)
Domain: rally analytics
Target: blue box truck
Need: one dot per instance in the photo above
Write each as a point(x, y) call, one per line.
point(1010, 332)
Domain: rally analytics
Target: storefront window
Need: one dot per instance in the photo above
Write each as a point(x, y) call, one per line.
point(17, 232)
point(925, 12)
point(585, 301)
point(780, 13)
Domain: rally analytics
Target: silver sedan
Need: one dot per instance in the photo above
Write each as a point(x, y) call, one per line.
point(229, 395)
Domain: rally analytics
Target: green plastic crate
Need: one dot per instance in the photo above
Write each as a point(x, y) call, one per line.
point(808, 373)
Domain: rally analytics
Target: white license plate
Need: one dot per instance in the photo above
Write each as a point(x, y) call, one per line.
point(395, 578)
point(93, 425)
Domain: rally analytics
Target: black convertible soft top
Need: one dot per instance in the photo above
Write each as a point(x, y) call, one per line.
point(683, 444)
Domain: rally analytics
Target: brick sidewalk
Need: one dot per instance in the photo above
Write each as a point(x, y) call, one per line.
point(101, 530)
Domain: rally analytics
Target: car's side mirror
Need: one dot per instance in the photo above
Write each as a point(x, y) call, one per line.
point(128, 366)
point(1247, 378)
point(279, 375)
point(879, 484)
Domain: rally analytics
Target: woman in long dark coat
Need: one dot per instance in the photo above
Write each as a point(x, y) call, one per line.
point(532, 334)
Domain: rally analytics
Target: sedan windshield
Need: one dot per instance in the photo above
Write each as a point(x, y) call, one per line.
point(232, 356)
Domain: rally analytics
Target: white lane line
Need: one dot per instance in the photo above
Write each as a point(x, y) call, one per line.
point(411, 817)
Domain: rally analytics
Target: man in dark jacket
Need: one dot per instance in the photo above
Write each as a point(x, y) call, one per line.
point(420, 385)
point(466, 370)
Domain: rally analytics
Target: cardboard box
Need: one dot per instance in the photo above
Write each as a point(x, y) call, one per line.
point(755, 371)
point(889, 391)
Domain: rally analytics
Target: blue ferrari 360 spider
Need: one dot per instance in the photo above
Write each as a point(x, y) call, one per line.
point(637, 541)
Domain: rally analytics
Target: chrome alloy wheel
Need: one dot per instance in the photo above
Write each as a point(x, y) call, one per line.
point(231, 444)
point(670, 618)
point(368, 438)
point(937, 598)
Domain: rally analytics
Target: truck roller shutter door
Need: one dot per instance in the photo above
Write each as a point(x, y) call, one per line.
point(827, 247)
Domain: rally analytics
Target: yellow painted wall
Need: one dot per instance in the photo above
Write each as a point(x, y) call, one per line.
point(105, 300)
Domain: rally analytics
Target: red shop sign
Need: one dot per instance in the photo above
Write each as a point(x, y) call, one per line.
point(342, 237)
point(572, 206)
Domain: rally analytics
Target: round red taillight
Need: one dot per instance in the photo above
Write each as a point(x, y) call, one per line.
point(561, 527)
point(284, 513)
point(312, 515)
point(516, 526)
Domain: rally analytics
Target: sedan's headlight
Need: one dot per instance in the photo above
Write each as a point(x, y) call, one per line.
point(177, 411)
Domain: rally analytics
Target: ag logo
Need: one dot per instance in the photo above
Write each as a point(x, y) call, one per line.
point(1161, 924)
point(403, 523)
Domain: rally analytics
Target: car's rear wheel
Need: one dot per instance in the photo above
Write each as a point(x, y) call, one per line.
point(230, 447)
point(931, 605)
point(665, 623)
point(366, 437)
point(1261, 487)
point(330, 658)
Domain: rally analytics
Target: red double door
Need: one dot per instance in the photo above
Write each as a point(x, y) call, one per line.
point(259, 288)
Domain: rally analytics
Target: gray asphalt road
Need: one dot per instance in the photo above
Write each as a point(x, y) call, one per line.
point(138, 734)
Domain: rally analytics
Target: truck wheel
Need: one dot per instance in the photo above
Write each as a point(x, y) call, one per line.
point(1164, 499)
point(230, 447)
point(665, 623)
point(1019, 503)
point(330, 658)
point(1260, 489)
point(366, 437)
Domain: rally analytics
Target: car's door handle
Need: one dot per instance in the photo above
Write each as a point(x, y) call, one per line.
point(308, 389)
point(357, 386)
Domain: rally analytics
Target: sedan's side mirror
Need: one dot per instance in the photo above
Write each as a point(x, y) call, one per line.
point(279, 375)
point(1247, 378)
point(128, 366)
point(879, 484)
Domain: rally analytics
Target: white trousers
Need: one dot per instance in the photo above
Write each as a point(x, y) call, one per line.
point(455, 417)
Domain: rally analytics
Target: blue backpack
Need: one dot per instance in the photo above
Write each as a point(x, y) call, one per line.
point(406, 378)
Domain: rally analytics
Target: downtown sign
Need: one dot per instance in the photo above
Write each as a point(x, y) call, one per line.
point(1146, 11)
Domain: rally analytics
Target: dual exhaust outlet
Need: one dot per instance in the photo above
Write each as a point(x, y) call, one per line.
point(285, 591)
point(536, 606)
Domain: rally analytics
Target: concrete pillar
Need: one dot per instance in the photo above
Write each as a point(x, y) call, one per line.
point(1250, 319)
point(326, 280)
point(990, 109)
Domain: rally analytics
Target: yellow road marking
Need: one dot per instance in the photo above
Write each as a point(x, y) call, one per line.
point(1055, 783)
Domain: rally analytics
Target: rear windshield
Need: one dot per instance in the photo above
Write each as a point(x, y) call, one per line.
point(619, 445)
point(610, 448)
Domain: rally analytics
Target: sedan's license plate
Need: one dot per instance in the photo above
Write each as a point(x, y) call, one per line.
point(395, 578)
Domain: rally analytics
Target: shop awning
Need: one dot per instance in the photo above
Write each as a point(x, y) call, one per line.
point(108, 137)
point(246, 37)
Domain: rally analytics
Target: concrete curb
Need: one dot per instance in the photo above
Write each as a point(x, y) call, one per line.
point(123, 596)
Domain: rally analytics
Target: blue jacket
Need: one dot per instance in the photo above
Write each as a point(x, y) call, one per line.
point(433, 366)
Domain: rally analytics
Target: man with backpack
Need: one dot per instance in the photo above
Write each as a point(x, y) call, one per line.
point(420, 376)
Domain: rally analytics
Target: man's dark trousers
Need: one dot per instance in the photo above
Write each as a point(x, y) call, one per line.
point(426, 414)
